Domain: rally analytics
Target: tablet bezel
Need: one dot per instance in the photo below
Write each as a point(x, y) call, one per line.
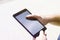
point(20, 12)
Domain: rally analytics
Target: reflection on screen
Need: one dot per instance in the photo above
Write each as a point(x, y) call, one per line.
point(32, 26)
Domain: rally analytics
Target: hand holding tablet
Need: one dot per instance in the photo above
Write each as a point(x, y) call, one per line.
point(32, 26)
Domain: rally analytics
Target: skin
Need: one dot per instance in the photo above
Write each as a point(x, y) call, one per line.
point(53, 19)
point(56, 20)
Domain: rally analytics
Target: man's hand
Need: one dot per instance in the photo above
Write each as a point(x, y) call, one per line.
point(44, 21)
point(41, 37)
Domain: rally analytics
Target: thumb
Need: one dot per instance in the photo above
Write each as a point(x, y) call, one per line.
point(31, 17)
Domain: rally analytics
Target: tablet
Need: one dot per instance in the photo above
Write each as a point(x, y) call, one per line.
point(32, 26)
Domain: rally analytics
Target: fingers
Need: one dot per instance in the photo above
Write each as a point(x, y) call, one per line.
point(29, 17)
point(34, 38)
point(44, 33)
point(32, 17)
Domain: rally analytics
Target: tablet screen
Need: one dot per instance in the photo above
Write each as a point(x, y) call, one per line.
point(32, 26)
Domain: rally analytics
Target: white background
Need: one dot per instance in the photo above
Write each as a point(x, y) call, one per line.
point(10, 29)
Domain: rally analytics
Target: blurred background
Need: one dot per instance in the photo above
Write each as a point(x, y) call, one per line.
point(10, 29)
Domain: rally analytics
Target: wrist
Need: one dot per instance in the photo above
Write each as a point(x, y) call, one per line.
point(44, 21)
point(49, 19)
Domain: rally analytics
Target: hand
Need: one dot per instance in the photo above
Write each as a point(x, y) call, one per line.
point(44, 21)
point(41, 37)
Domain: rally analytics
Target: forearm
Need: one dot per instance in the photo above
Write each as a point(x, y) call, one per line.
point(54, 19)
